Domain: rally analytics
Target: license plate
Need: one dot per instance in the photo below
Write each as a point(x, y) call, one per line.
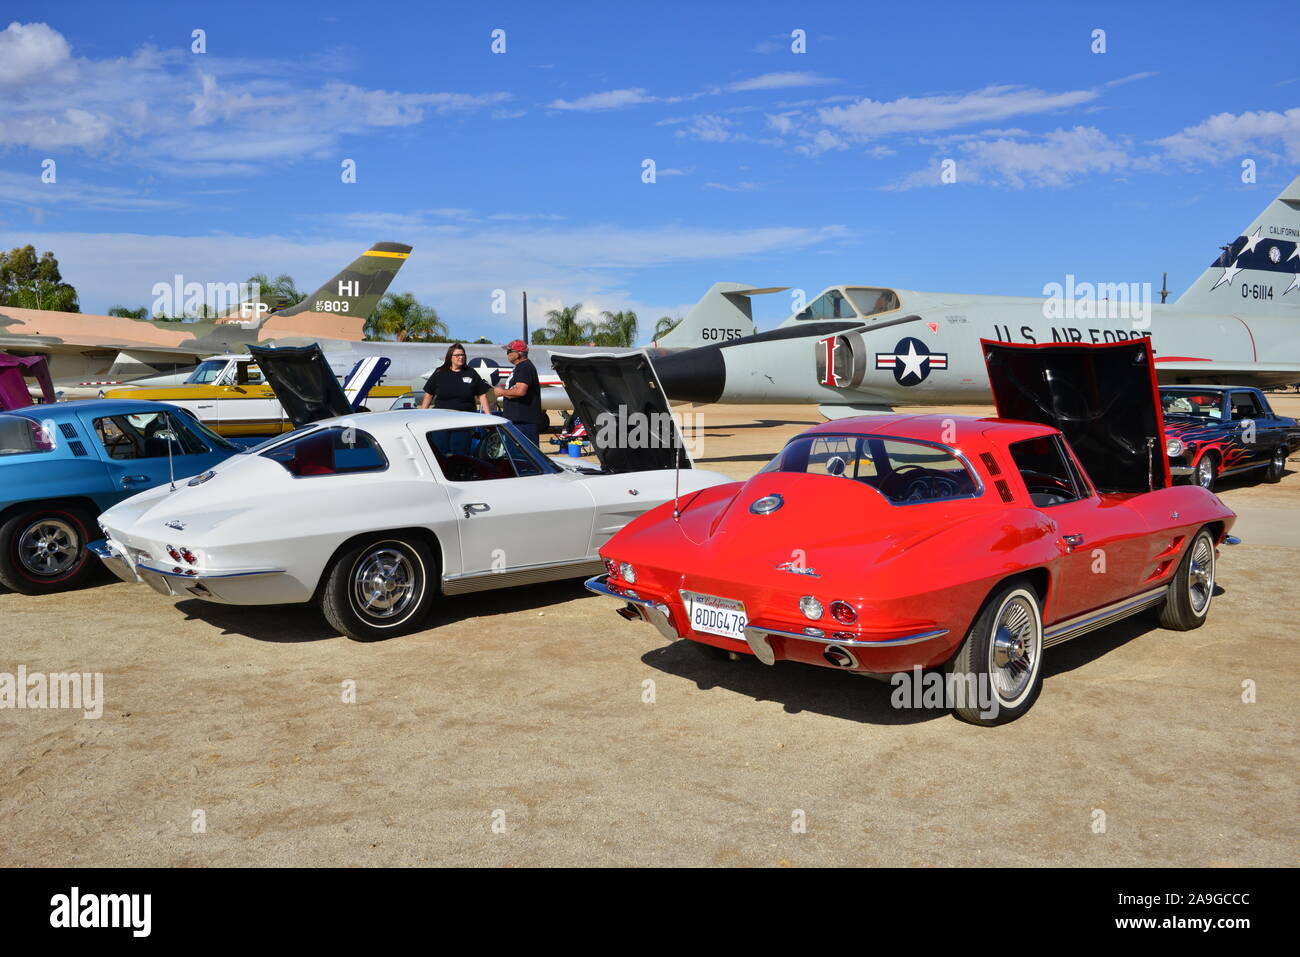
point(716, 616)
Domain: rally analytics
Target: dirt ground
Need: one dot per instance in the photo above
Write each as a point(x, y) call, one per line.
point(516, 730)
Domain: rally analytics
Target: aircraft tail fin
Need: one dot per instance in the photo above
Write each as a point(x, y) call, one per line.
point(357, 289)
point(723, 313)
point(1260, 270)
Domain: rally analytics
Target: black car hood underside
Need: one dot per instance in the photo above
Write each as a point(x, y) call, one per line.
point(303, 382)
point(625, 410)
point(1103, 398)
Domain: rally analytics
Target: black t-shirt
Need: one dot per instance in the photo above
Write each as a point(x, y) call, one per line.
point(456, 390)
point(527, 410)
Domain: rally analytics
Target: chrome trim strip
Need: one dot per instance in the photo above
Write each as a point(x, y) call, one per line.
point(207, 576)
point(1091, 621)
point(523, 575)
point(912, 639)
point(118, 564)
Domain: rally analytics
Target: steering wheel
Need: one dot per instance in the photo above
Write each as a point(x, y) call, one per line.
point(1040, 483)
point(493, 447)
point(908, 484)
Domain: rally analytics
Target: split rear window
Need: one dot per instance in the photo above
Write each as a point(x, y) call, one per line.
point(902, 470)
point(332, 451)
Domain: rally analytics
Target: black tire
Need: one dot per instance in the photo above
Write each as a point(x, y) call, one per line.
point(43, 549)
point(389, 563)
point(1277, 465)
point(1001, 660)
point(1192, 588)
point(1206, 473)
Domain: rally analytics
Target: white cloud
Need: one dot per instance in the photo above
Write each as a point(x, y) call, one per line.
point(26, 189)
point(226, 116)
point(608, 100)
point(28, 50)
point(745, 187)
point(778, 81)
point(1052, 159)
point(710, 128)
point(871, 119)
point(1228, 136)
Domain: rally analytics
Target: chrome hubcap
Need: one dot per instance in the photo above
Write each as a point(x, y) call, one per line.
point(383, 585)
point(49, 547)
point(1205, 473)
point(1200, 577)
point(1279, 460)
point(1014, 650)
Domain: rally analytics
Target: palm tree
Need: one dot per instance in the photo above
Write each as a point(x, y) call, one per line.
point(401, 316)
point(278, 292)
point(564, 328)
point(665, 325)
point(618, 329)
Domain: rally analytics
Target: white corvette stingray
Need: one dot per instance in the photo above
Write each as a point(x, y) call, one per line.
point(373, 515)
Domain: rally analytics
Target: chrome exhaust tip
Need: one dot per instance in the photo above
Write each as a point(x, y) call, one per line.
point(839, 657)
point(629, 612)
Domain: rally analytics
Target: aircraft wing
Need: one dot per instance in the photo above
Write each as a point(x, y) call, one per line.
point(1220, 372)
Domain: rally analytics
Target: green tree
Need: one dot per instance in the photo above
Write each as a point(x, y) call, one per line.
point(402, 317)
point(277, 293)
point(32, 282)
point(665, 325)
point(618, 328)
point(564, 328)
point(125, 313)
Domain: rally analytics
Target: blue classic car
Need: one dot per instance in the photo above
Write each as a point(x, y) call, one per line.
point(1212, 431)
point(63, 464)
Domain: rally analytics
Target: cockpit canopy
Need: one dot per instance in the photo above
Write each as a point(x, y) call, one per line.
point(850, 302)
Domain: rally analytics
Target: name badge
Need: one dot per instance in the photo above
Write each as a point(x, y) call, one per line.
point(467, 379)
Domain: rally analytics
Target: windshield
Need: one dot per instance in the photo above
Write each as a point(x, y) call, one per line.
point(872, 301)
point(20, 436)
point(1205, 404)
point(207, 372)
point(902, 470)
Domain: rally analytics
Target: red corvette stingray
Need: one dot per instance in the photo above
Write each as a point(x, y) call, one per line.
point(888, 544)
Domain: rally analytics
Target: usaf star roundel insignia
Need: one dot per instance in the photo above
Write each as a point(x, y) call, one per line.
point(911, 361)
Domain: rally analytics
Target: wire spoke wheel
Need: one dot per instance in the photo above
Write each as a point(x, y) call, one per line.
point(1205, 472)
point(49, 547)
point(384, 583)
point(1200, 575)
point(1014, 650)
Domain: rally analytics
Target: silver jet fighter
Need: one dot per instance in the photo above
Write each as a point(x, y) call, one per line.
point(859, 350)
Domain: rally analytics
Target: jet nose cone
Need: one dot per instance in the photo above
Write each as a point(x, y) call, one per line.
point(696, 375)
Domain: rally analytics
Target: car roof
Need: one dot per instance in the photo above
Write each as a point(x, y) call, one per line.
point(933, 427)
point(93, 406)
point(431, 419)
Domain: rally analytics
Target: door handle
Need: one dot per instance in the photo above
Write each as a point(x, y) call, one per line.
point(1072, 542)
point(474, 508)
point(132, 479)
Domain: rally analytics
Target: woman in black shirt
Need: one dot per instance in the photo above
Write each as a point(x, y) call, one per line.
point(454, 385)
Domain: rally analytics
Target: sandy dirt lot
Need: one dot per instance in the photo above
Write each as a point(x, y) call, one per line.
point(526, 710)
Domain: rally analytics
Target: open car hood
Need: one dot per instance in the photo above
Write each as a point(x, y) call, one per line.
point(1102, 397)
point(14, 393)
point(620, 400)
point(303, 382)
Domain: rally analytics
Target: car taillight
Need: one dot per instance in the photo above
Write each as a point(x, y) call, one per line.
point(189, 556)
point(611, 566)
point(843, 612)
point(810, 607)
point(627, 573)
point(174, 553)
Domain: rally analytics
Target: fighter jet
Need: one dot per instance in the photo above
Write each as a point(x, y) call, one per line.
point(859, 350)
point(105, 350)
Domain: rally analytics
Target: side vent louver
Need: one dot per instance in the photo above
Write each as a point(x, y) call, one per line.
point(1003, 489)
point(77, 448)
point(68, 429)
point(990, 463)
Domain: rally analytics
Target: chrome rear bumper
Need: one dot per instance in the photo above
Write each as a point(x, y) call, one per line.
point(167, 581)
point(757, 637)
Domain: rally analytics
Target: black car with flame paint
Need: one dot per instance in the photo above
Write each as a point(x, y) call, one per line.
point(1213, 431)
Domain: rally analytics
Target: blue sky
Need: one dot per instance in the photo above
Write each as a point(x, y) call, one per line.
point(523, 170)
